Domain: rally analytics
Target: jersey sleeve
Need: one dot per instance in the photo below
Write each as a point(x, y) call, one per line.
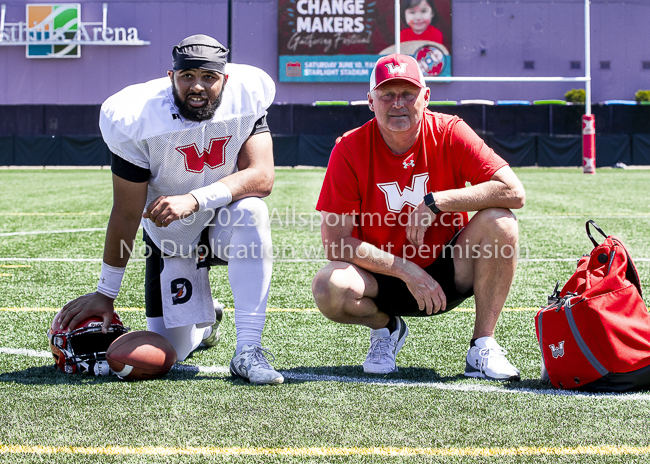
point(128, 171)
point(260, 126)
point(340, 192)
point(116, 137)
point(251, 87)
point(478, 162)
point(267, 94)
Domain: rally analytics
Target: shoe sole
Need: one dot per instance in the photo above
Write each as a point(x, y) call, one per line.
point(476, 374)
point(218, 314)
point(367, 371)
point(400, 344)
point(210, 341)
point(247, 380)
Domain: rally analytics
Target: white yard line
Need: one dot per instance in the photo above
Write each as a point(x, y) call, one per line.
point(203, 369)
point(478, 387)
point(49, 232)
point(25, 352)
point(587, 216)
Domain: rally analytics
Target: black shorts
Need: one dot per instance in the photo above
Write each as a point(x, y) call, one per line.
point(153, 268)
point(394, 297)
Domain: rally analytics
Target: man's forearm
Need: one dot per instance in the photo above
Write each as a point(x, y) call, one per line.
point(251, 182)
point(369, 257)
point(120, 239)
point(490, 194)
point(255, 174)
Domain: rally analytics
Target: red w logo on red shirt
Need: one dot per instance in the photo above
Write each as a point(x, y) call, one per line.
point(214, 157)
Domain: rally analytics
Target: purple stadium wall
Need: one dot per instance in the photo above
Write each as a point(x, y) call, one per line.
point(509, 32)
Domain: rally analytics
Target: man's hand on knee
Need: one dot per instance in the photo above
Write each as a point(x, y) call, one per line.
point(426, 291)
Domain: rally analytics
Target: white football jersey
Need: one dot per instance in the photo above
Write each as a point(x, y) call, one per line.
point(141, 124)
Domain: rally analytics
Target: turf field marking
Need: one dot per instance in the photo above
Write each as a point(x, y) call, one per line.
point(602, 450)
point(307, 214)
point(121, 310)
point(13, 266)
point(49, 232)
point(36, 310)
point(202, 369)
point(584, 216)
point(465, 388)
point(468, 388)
point(26, 352)
point(57, 214)
point(6, 275)
point(180, 367)
point(67, 260)
point(271, 310)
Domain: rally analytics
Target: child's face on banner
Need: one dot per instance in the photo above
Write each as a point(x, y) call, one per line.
point(419, 17)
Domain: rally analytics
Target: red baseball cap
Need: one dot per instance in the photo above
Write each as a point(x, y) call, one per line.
point(394, 67)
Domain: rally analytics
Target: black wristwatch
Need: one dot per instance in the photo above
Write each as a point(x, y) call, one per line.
point(431, 203)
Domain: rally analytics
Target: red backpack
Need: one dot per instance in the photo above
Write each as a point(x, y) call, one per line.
point(595, 333)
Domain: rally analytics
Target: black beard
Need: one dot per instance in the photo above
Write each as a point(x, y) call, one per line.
point(203, 113)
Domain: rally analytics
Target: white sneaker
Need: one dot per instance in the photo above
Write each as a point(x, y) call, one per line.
point(384, 347)
point(213, 338)
point(252, 366)
point(486, 360)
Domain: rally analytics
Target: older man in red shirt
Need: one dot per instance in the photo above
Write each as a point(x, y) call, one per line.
point(395, 226)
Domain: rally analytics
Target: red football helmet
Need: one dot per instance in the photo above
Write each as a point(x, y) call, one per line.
point(83, 350)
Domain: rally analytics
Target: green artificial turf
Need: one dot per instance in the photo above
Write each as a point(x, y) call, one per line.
point(327, 400)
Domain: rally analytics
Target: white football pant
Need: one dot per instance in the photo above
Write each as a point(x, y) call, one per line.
point(240, 233)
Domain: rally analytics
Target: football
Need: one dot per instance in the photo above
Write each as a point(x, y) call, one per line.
point(141, 355)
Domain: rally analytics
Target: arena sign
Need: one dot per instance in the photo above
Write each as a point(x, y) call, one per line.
point(55, 30)
point(340, 40)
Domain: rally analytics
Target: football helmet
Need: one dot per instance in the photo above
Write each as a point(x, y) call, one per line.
point(83, 350)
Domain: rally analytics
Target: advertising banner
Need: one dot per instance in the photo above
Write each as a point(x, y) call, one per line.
point(340, 40)
point(55, 30)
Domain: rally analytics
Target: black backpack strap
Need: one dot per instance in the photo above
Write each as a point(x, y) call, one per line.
point(631, 273)
point(591, 221)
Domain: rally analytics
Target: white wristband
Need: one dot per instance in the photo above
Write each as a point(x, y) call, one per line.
point(110, 280)
point(212, 196)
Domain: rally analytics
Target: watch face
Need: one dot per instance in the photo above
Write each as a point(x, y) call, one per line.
point(431, 202)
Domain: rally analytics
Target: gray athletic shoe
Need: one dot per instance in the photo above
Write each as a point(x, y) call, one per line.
point(252, 366)
point(213, 338)
point(384, 347)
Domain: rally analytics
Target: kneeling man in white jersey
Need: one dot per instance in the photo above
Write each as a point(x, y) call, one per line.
point(192, 158)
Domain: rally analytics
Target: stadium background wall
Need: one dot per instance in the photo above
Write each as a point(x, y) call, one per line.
point(53, 102)
point(544, 135)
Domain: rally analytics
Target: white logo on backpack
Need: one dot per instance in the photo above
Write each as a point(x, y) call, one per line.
point(558, 351)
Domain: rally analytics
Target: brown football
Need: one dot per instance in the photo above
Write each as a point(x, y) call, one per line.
point(141, 355)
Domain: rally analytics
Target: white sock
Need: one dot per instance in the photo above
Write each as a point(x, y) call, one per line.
point(184, 339)
point(245, 242)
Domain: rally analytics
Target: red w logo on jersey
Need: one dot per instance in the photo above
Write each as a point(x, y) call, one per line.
point(214, 157)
